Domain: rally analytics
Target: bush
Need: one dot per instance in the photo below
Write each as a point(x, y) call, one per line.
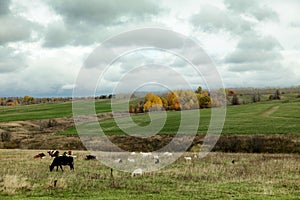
point(5, 136)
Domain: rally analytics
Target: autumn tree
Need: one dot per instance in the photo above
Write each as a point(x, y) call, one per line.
point(173, 102)
point(131, 109)
point(256, 97)
point(199, 90)
point(152, 101)
point(28, 100)
point(277, 95)
point(164, 102)
point(235, 100)
point(10, 102)
point(182, 100)
point(204, 101)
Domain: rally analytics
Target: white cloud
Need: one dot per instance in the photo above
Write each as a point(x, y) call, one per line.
point(68, 87)
point(43, 44)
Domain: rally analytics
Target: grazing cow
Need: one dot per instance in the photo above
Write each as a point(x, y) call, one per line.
point(62, 160)
point(53, 153)
point(40, 155)
point(90, 157)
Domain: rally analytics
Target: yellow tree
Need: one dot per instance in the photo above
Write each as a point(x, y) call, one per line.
point(28, 99)
point(173, 102)
point(165, 102)
point(152, 101)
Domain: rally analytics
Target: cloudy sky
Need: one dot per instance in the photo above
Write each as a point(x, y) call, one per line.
point(45, 44)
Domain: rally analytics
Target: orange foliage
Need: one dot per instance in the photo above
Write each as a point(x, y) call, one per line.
point(152, 101)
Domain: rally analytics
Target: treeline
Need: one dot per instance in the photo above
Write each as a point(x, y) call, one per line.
point(28, 100)
point(187, 100)
point(266, 90)
point(179, 100)
point(234, 98)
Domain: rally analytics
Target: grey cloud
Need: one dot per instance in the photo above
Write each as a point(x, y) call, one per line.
point(255, 66)
point(103, 12)
point(148, 38)
point(11, 61)
point(211, 18)
point(14, 29)
point(4, 7)
point(151, 39)
point(253, 8)
point(57, 35)
point(88, 22)
point(240, 5)
point(263, 13)
point(254, 53)
point(295, 24)
point(254, 41)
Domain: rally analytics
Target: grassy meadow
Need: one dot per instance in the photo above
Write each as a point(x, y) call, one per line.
point(45, 111)
point(251, 176)
point(216, 176)
point(269, 117)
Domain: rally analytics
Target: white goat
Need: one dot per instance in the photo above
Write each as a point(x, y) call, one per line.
point(146, 154)
point(131, 160)
point(188, 158)
point(137, 171)
point(119, 160)
point(168, 154)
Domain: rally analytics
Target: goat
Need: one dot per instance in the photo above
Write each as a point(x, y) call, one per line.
point(146, 154)
point(137, 171)
point(156, 159)
point(90, 157)
point(40, 155)
point(119, 160)
point(188, 158)
point(62, 160)
point(168, 154)
point(131, 160)
point(53, 153)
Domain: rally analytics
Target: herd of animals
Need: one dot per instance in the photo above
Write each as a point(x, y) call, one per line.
point(68, 159)
point(60, 160)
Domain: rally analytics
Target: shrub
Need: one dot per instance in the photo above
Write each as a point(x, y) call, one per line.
point(5, 136)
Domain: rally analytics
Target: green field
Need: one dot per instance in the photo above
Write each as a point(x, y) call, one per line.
point(270, 117)
point(45, 111)
point(252, 176)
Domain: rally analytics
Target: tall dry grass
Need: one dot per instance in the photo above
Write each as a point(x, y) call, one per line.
point(217, 176)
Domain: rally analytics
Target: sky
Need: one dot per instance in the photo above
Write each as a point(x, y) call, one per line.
point(46, 45)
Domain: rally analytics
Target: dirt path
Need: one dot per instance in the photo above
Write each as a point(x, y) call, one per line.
point(269, 112)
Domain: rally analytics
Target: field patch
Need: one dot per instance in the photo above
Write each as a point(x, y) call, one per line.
point(217, 176)
point(269, 112)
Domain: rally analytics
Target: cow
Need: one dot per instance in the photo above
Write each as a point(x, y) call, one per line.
point(62, 160)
